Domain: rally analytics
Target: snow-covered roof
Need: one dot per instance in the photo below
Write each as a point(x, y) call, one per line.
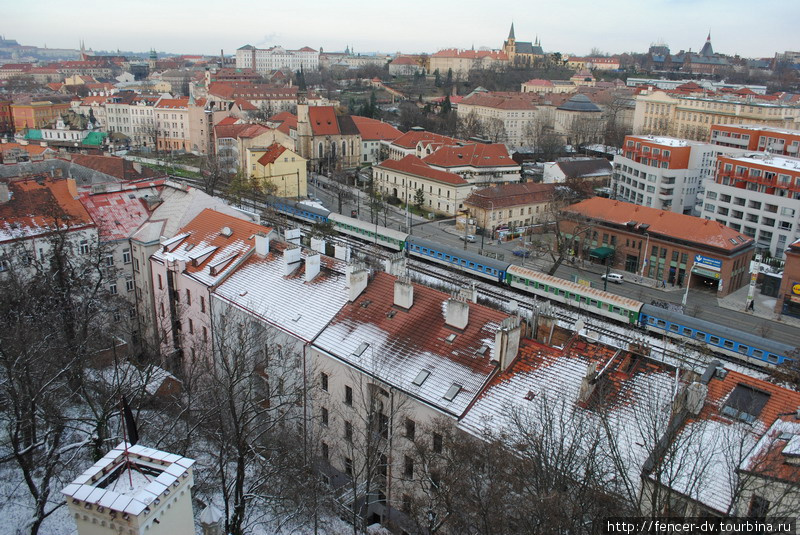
point(413, 349)
point(223, 240)
point(633, 396)
point(156, 471)
point(260, 287)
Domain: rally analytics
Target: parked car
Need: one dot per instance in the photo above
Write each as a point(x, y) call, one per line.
point(614, 277)
point(524, 253)
point(469, 237)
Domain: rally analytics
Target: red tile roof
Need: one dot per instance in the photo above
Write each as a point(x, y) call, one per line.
point(116, 167)
point(205, 233)
point(245, 131)
point(119, 214)
point(323, 120)
point(410, 139)
point(539, 81)
point(173, 103)
point(474, 155)
point(29, 211)
point(505, 195)
point(226, 121)
point(412, 165)
point(519, 101)
point(272, 154)
point(686, 227)
point(372, 129)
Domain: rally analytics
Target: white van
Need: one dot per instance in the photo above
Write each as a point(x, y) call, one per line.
point(614, 277)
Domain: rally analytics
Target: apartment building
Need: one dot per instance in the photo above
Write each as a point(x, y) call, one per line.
point(460, 62)
point(662, 172)
point(692, 115)
point(505, 117)
point(172, 123)
point(778, 141)
point(757, 194)
point(265, 60)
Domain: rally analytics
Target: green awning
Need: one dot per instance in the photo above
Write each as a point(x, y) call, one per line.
point(94, 138)
point(602, 252)
point(33, 134)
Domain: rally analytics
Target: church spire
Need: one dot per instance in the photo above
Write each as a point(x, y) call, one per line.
point(511, 32)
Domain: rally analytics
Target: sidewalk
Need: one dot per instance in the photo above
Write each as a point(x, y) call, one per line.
point(763, 306)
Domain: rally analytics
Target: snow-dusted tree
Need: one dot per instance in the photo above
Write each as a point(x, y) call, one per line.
point(58, 315)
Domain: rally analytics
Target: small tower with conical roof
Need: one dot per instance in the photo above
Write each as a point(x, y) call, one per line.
point(707, 51)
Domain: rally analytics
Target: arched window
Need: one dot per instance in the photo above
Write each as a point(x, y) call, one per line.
point(319, 150)
point(344, 149)
point(333, 150)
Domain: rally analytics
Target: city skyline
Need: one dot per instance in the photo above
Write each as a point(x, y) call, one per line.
point(577, 28)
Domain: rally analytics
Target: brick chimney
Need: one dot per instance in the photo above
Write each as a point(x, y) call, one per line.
point(403, 293)
point(506, 341)
point(291, 260)
point(312, 266)
point(456, 313)
point(357, 279)
point(262, 244)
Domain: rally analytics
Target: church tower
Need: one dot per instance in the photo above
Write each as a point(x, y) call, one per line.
point(303, 121)
point(510, 46)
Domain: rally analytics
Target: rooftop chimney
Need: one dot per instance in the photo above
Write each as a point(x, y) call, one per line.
point(506, 341)
point(291, 260)
point(456, 312)
point(588, 383)
point(403, 293)
point(312, 266)
point(318, 244)
point(72, 187)
point(262, 244)
point(293, 236)
point(357, 279)
point(5, 196)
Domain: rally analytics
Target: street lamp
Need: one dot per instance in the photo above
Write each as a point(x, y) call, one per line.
point(686, 291)
point(646, 248)
point(483, 234)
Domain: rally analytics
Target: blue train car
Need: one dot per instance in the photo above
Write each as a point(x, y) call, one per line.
point(364, 230)
point(456, 258)
point(307, 212)
point(724, 339)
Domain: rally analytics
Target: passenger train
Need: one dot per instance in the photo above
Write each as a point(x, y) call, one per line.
point(738, 344)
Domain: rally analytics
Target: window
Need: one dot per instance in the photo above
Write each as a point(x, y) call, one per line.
point(191, 325)
point(348, 466)
point(129, 285)
point(323, 380)
point(126, 255)
point(348, 431)
point(452, 392)
point(109, 260)
point(759, 507)
point(324, 416)
point(408, 466)
point(84, 247)
point(411, 428)
point(420, 378)
point(745, 403)
point(205, 334)
point(348, 395)
point(202, 303)
point(325, 451)
point(160, 284)
point(437, 443)
point(112, 288)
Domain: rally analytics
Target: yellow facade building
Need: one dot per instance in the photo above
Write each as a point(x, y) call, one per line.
point(279, 166)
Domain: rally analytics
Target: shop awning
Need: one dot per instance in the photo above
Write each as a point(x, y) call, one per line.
point(602, 252)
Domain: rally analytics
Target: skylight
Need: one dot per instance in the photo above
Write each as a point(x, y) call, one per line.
point(745, 403)
point(450, 338)
point(452, 392)
point(420, 378)
point(360, 350)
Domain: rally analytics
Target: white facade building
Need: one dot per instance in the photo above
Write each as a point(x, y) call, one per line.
point(759, 195)
point(663, 172)
point(276, 58)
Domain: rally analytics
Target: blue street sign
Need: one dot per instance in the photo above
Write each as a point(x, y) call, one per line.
point(710, 263)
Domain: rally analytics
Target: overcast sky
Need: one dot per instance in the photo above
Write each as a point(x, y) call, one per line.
point(571, 26)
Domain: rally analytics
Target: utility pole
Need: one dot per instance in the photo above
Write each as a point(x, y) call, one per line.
point(688, 282)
